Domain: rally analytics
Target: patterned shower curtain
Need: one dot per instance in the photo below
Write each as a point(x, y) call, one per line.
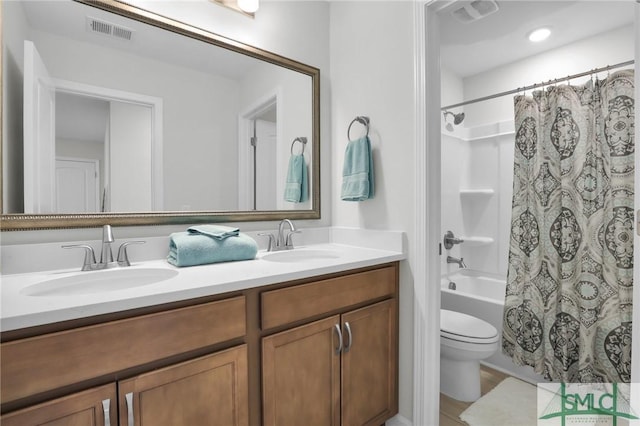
point(570, 277)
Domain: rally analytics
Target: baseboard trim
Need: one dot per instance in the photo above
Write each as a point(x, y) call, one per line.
point(398, 420)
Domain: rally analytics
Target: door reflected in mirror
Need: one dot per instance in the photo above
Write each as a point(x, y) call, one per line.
point(94, 141)
point(123, 116)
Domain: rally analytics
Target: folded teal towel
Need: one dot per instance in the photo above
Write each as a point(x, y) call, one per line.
point(357, 172)
point(296, 189)
point(189, 249)
point(215, 231)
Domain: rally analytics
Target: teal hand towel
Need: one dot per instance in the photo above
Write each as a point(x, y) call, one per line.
point(296, 189)
point(357, 171)
point(215, 231)
point(189, 249)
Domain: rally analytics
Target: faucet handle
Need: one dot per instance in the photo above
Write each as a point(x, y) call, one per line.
point(89, 255)
point(123, 257)
point(450, 240)
point(272, 239)
point(288, 241)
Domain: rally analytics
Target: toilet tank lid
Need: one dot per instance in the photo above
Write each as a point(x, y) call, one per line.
point(457, 323)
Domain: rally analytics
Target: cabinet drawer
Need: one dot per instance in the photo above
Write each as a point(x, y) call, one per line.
point(84, 408)
point(50, 361)
point(287, 305)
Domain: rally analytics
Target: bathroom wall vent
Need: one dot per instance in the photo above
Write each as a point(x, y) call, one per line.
point(106, 28)
point(474, 10)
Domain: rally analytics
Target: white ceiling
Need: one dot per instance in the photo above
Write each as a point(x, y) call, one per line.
point(501, 38)
point(68, 19)
point(83, 118)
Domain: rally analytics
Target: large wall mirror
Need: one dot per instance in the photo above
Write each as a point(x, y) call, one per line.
point(112, 114)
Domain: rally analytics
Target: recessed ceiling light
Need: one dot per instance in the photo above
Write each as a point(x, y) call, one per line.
point(539, 35)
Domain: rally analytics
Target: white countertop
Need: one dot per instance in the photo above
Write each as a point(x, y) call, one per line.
point(20, 311)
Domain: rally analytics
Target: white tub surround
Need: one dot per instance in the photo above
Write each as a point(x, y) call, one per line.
point(366, 248)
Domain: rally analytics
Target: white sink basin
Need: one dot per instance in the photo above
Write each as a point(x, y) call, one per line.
point(300, 255)
point(99, 281)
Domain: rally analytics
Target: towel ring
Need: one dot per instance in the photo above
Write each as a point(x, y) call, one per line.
point(360, 119)
point(302, 140)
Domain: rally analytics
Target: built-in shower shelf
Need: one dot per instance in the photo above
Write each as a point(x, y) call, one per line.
point(482, 192)
point(477, 241)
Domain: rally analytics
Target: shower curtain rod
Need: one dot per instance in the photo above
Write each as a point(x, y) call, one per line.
point(535, 86)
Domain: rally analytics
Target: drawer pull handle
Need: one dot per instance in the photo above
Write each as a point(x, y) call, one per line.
point(350, 341)
point(129, 398)
point(337, 329)
point(106, 406)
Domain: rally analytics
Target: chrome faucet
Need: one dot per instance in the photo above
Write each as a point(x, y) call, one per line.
point(106, 255)
point(460, 261)
point(285, 242)
point(282, 241)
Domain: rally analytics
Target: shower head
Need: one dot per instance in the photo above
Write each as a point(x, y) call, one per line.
point(457, 118)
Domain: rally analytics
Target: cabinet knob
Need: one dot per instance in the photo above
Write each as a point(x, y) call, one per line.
point(337, 329)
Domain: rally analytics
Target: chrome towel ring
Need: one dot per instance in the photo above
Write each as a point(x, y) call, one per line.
point(360, 119)
point(302, 140)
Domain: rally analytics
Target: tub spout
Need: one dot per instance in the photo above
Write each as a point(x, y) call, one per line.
point(460, 262)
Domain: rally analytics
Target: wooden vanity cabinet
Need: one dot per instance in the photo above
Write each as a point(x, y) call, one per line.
point(314, 351)
point(301, 375)
point(341, 369)
point(208, 391)
point(370, 365)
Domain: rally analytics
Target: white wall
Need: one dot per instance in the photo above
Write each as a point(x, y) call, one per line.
point(298, 30)
point(80, 149)
point(130, 154)
point(451, 87)
point(293, 90)
point(199, 113)
point(598, 51)
point(372, 74)
point(12, 72)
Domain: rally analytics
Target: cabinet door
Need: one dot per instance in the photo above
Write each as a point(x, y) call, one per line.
point(370, 364)
point(301, 375)
point(210, 390)
point(94, 407)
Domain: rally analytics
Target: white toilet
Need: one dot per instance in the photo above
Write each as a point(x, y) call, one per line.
point(464, 341)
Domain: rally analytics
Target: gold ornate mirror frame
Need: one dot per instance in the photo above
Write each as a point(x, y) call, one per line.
point(13, 222)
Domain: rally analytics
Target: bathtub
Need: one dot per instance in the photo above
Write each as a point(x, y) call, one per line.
point(482, 295)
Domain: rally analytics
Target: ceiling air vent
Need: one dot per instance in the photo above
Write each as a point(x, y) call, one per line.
point(474, 10)
point(109, 29)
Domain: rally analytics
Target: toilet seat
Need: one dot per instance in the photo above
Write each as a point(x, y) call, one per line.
point(466, 328)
